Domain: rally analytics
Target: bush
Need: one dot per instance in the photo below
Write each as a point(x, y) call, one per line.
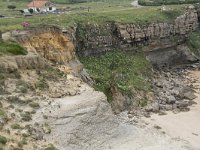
point(11, 7)
point(15, 126)
point(34, 105)
point(3, 140)
point(26, 116)
point(3, 115)
point(50, 147)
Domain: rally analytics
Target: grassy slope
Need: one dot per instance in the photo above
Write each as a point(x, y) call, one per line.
point(127, 71)
point(100, 12)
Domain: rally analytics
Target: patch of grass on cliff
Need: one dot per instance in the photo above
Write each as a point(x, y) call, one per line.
point(194, 42)
point(11, 48)
point(127, 71)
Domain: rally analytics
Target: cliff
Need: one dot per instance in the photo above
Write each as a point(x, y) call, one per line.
point(93, 39)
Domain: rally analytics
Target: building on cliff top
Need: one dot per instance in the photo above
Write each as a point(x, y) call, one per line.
point(42, 6)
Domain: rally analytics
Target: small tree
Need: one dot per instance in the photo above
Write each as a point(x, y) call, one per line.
point(11, 7)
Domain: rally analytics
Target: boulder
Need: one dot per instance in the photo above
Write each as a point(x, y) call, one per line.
point(171, 99)
point(190, 95)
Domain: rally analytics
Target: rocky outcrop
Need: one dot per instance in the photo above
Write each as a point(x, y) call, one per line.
point(10, 64)
point(96, 39)
point(135, 35)
point(167, 57)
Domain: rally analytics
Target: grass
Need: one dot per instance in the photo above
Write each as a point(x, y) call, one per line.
point(127, 71)
point(194, 42)
point(100, 12)
point(166, 2)
point(11, 48)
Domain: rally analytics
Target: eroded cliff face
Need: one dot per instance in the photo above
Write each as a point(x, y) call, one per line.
point(50, 43)
point(96, 39)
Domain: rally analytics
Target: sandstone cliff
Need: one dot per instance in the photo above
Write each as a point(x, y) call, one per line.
point(50, 43)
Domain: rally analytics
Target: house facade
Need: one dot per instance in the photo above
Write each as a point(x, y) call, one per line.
point(42, 6)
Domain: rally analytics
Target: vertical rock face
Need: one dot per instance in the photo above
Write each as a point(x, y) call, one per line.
point(93, 39)
point(96, 39)
point(49, 43)
point(134, 35)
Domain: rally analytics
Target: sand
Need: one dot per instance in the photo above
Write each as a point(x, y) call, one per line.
point(184, 125)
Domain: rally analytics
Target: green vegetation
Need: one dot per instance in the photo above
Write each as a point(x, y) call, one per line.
point(127, 71)
point(3, 140)
point(15, 126)
point(34, 105)
point(194, 42)
point(26, 116)
point(99, 12)
point(11, 48)
point(50, 147)
point(166, 2)
point(3, 115)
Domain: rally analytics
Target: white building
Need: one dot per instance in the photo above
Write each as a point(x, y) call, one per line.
point(42, 6)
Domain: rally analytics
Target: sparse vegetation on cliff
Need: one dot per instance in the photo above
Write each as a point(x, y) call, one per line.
point(127, 71)
point(194, 42)
point(11, 48)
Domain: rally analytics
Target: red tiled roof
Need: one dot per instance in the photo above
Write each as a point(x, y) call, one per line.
point(37, 3)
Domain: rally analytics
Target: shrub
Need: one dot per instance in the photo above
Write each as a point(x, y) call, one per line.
point(15, 126)
point(3, 140)
point(50, 147)
point(26, 116)
point(11, 7)
point(3, 115)
point(34, 105)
